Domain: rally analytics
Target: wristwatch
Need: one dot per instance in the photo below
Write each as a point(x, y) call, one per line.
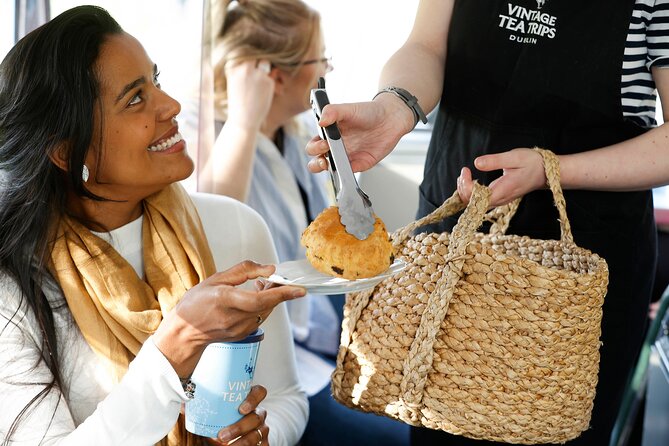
point(189, 387)
point(410, 100)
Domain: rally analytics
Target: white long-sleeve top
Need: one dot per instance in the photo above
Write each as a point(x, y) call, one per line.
point(144, 406)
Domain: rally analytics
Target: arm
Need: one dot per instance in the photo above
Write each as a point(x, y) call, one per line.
point(372, 129)
point(250, 93)
point(141, 409)
point(425, 52)
point(636, 164)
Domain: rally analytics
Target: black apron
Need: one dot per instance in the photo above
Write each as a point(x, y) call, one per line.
point(516, 80)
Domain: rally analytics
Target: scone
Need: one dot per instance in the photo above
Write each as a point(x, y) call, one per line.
point(332, 250)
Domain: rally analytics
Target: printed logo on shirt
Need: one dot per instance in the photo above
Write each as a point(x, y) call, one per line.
point(528, 26)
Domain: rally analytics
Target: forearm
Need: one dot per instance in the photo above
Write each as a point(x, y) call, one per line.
point(424, 52)
point(232, 161)
point(636, 164)
point(425, 78)
point(141, 409)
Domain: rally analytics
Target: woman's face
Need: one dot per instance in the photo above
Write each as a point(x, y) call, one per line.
point(306, 77)
point(142, 150)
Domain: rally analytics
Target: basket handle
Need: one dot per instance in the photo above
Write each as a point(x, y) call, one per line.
point(501, 216)
point(419, 360)
point(451, 206)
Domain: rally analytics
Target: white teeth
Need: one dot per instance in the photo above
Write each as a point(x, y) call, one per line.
point(167, 143)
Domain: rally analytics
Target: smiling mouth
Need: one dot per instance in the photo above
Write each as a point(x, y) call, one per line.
point(166, 144)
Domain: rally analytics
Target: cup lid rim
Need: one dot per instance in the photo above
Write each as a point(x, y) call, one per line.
point(256, 336)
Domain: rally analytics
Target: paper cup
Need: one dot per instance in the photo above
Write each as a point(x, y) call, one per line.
point(222, 378)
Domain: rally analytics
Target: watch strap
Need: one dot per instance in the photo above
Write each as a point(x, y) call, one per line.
point(410, 100)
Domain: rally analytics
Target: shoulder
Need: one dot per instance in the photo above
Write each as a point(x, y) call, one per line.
point(234, 229)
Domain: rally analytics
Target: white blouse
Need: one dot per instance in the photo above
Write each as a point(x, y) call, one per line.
point(144, 406)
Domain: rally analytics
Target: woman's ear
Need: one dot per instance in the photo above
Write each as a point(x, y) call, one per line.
point(59, 156)
point(280, 77)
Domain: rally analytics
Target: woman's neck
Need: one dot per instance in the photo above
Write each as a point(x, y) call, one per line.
point(273, 122)
point(102, 216)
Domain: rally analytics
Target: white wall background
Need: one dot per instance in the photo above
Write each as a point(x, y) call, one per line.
point(6, 26)
point(360, 35)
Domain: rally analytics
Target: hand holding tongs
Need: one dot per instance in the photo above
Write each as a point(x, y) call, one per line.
point(355, 209)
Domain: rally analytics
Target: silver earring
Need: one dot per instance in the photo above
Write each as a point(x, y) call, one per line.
point(84, 173)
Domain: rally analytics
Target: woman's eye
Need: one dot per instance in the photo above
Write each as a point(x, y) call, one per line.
point(136, 99)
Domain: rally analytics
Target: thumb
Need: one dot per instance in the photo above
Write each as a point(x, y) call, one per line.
point(329, 115)
point(336, 112)
point(486, 163)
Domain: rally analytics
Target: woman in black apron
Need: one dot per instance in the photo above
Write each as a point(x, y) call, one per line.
point(524, 73)
point(561, 92)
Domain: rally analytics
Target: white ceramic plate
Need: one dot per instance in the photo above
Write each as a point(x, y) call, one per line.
point(301, 273)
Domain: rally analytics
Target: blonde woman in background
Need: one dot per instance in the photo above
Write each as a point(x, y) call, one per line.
point(268, 56)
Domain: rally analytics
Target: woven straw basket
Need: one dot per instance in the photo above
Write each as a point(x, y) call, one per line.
point(489, 336)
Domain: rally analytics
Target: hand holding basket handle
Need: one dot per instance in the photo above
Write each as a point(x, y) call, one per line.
point(501, 215)
point(490, 336)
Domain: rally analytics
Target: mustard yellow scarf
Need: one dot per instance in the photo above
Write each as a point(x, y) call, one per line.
point(115, 309)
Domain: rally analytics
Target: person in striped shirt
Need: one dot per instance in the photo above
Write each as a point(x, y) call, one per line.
point(566, 76)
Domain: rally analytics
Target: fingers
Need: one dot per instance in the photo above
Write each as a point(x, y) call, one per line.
point(250, 430)
point(259, 284)
point(254, 302)
point(465, 184)
point(318, 164)
point(317, 146)
point(274, 295)
point(253, 308)
point(499, 188)
point(486, 163)
point(516, 158)
point(499, 193)
point(505, 160)
point(242, 272)
point(263, 284)
point(264, 66)
point(256, 437)
point(246, 429)
point(253, 399)
point(329, 115)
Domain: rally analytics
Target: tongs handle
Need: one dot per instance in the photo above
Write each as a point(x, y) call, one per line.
point(317, 105)
point(355, 208)
point(337, 152)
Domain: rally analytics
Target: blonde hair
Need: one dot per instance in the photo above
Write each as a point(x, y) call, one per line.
point(280, 31)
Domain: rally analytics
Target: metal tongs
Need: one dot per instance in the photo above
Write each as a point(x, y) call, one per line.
point(355, 208)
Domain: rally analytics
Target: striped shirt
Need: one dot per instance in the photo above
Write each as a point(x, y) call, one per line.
point(647, 46)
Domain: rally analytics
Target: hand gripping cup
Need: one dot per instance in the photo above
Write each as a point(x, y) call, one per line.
point(222, 378)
